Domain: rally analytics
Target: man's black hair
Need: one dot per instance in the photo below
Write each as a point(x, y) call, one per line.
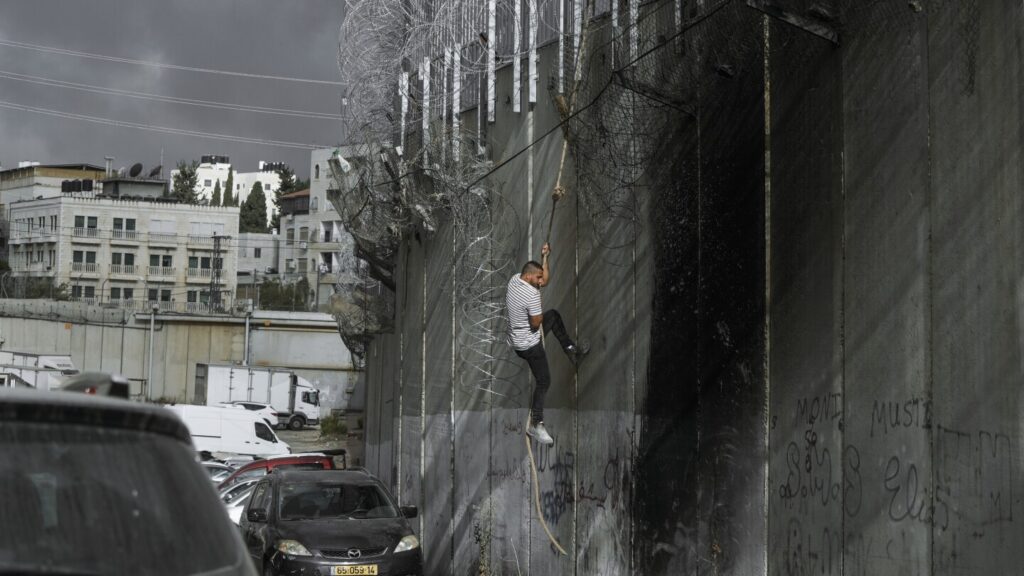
point(532, 266)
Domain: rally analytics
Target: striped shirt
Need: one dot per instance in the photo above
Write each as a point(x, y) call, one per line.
point(521, 302)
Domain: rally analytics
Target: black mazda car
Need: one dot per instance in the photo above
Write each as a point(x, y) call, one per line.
point(329, 523)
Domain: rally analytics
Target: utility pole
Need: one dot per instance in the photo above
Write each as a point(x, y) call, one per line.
point(215, 303)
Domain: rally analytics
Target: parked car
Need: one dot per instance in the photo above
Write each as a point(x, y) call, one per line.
point(236, 497)
point(217, 471)
point(337, 522)
point(232, 493)
point(219, 429)
point(265, 411)
point(96, 485)
point(259, 468)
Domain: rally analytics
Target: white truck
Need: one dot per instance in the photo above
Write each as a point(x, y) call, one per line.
point(296, 401)
point(42, 371)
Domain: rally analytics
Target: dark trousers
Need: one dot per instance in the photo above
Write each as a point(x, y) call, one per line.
point(538, 361)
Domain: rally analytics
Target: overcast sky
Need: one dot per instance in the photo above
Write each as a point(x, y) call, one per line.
point(293, 38)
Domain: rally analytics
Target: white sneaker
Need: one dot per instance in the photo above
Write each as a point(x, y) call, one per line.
point(540, 434)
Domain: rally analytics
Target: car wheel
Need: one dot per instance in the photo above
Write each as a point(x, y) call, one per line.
point(296, 423)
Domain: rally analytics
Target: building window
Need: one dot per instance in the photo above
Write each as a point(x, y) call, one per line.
point(191, 297)
point(76, 291)
point(302, 265)
point(303, 234)
point(193, 261)
point(316, 172)
point(257, 252)
point(207, 183)
point(165, 295)
point(115, 293)
point(289, 236)
point(90, 291)
point(129, 293)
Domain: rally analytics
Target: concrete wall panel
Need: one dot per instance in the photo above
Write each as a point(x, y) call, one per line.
point(438, 480)
point(974, 61)
point(275, 347)
point(887, 355)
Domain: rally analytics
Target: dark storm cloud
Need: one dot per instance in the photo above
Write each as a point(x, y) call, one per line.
point(295, 38)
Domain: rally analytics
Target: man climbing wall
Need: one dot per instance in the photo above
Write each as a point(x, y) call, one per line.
point(525, 319)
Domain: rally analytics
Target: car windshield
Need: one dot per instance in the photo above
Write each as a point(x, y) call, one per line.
point(309, 501)
point(90, 500)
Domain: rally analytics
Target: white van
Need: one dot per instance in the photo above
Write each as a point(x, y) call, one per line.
point(218, 429)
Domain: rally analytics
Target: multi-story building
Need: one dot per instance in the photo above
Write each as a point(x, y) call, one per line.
point(130, 253)
point(257, 261)
point(48, 180)
point(314, 243)
point(216, 168)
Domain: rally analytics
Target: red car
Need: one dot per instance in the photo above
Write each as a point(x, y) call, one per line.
point(258, 468)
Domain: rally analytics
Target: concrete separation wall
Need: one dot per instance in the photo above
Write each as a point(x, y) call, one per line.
point(806, 350)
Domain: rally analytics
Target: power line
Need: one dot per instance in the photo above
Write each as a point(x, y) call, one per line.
point(159, 129)
point(169, 99)
point(117, 59)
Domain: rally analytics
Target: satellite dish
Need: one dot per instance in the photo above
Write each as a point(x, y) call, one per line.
point(156, 171)
point(135, 170)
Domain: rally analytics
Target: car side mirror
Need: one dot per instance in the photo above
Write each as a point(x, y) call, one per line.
point(256, 515)
point(410, 511)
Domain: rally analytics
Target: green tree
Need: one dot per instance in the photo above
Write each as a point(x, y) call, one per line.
point(287, 186)
point(229, 190)
point(276, 295)
point(184, 187)
point(215, 200)
point(253, 215)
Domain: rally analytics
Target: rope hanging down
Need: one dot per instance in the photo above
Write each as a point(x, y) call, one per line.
point(557, 194)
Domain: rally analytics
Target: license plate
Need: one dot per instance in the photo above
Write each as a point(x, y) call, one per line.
point(360, 570)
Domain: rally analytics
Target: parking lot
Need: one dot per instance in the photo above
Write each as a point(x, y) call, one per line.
point(308, 440)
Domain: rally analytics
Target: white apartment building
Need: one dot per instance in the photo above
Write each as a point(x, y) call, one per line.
point(314, 242)
point(216, 168)
point(257, 261)
point(128, 253)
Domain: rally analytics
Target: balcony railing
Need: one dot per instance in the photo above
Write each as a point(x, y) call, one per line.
point(32, 267)
point(200, 272)
point(163, 237)
point(161, 271)
point(86, 232)
point(195, 240)
point(89, 267)
point(124, 235)
point(128, 269)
